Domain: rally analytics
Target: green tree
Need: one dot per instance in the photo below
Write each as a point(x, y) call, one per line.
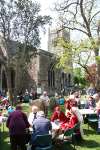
point(83, 16)
point(79, 77)
point(20, 21)
point(78, 54)
point(27, 23)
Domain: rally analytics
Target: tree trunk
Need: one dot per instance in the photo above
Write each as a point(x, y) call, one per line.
point(9, 85)
point(17, 79)
point(96, 51)
point(98, 76)
point(19, 71)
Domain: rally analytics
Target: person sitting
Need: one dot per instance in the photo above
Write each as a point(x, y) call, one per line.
point(98, 114)
point(20, 96)
point(73, 120)
point(90, 103)
point(57, 118)
point(91, 90)
point(41, 126)
point(98, 106)
point(58, 115)
point(97, 99)
point(32, 115)
point(10, 109)
point(26, 96)
point(71, 102)
point(5, 102)
point(17, 123)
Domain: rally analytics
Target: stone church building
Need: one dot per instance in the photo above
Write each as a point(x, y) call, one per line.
point(46, 76)
point(41, 74)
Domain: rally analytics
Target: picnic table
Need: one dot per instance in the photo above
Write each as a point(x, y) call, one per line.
point(87, 111)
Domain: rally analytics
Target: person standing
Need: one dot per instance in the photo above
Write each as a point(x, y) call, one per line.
point(17, 123)
point(44, 97)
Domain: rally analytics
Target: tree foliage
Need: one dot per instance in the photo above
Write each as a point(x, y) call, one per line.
point(79, 77)
point(83, 16)
point(92, 77)
point(74, 51)
point(20, 23)
point(80, 54)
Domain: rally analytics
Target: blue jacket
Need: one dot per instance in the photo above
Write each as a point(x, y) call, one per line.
point(41, 126)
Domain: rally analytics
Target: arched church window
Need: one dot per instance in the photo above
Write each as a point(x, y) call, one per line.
point(69, 79)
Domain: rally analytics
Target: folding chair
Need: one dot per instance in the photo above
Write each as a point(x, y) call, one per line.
point(44, 142)
point(92, 120)
point(0, 133)
point(76, 135)
point(67, 137)
point(82, 104)
point(98, 129)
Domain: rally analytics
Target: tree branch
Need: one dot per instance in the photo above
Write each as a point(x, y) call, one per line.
point(73, 28)
point(67, 6)
point(94, 16)
point(90, 10)
point(85, 19)
point(86, 69)
point(88, 59)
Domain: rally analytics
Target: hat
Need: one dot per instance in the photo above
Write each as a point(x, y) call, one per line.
point(40, 114)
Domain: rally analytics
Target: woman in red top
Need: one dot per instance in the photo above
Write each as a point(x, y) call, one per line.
point(58, 115)
point(70, 103)
point(58, 118)
point(72, 122)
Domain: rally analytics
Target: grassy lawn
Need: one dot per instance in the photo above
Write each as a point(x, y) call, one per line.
point(91, 138)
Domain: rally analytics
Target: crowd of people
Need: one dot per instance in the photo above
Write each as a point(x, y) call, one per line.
point(37, 121)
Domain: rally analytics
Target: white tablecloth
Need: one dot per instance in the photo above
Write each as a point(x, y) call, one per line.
point(55, 125)
point(87, 111)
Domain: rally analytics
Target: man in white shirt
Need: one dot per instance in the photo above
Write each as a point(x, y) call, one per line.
point(44, 97)
point(32, 115)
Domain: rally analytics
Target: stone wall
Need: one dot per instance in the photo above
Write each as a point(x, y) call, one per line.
point(36, 76)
